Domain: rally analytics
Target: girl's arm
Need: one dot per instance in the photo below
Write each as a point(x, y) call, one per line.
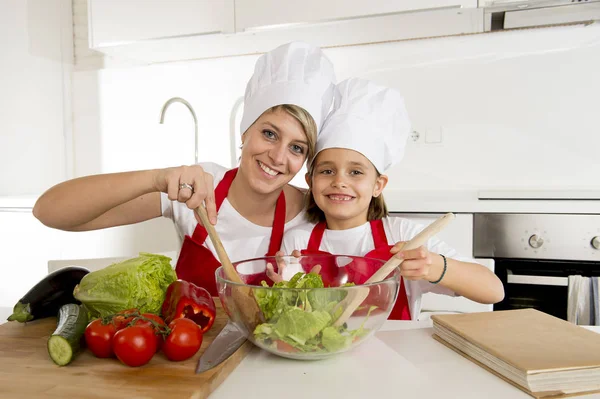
point(101, 201)
point(471, 280)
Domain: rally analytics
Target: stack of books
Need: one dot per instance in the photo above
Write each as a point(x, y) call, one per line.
point(538, 353)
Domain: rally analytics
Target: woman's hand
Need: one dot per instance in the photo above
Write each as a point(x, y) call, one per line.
point(190, 185)
point(419, 263)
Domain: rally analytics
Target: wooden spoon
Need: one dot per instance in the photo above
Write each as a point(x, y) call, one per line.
point(243, 296)
point(356, 296)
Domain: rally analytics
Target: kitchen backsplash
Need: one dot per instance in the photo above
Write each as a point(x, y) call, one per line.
point(511, 109)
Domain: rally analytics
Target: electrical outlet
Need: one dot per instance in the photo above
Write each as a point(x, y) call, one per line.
point(415, 136)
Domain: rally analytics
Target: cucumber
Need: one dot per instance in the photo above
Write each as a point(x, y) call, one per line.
point(65, 341)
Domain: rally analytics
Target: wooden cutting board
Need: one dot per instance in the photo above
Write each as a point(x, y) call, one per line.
point(26, 370)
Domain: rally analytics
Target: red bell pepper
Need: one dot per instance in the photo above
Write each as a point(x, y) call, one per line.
point(186, 300)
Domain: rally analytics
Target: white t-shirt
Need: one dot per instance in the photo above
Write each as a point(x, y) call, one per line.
point(359, 240)
point(241, 238)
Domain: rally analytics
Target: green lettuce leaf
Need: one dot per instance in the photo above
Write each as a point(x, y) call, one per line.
point(267, 300)
point(333, 340)
point(134, 283)
point(299, 325)
point(304, 318)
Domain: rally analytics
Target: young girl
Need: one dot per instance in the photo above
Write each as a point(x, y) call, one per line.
point(363, 137)
point(286, 101)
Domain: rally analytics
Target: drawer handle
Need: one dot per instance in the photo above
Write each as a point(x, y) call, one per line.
point(537, 280)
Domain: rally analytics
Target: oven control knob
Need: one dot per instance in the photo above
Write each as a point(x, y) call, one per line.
point(536, 241)
point(596, 242)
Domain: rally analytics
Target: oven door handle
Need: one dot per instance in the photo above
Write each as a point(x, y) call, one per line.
point(536, 280)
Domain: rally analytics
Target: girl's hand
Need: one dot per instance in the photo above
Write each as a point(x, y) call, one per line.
point(176, 183)
point(418, 263)
point(277, 277)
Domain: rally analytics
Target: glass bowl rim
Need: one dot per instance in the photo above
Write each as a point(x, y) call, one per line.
point(395, 276)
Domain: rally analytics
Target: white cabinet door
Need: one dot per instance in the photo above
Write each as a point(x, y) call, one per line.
point(25, 245)
point(251, 14)
point(35, 81)
point(459, 235)
point(160, 31)
point(113, 22)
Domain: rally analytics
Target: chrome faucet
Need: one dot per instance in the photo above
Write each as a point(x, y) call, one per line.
point(184, 102)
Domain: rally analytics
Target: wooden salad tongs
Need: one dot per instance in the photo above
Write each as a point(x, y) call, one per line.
point(357, 295)
point(243, 295)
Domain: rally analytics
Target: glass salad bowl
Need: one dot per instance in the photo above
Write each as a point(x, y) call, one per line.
point(299, 317)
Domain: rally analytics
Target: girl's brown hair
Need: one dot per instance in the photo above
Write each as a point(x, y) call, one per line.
point(314, 214)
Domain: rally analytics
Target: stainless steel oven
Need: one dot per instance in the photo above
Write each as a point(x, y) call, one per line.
point(535, 254)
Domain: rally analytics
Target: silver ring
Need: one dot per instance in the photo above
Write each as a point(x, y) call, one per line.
point(185, 185)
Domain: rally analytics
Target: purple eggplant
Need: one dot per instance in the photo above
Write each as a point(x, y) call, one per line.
point(49, 295)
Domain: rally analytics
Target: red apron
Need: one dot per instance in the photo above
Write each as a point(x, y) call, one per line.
point(359, 270)
point(197, 263)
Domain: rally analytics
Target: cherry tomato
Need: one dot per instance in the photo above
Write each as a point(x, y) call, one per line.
point(159, 337)
point(120, 321)
point(99, 338)
point(134, 346)
point(283, 346)
point(184, 340)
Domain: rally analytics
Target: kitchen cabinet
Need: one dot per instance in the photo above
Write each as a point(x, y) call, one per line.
point(169, 31)
point(253, 14)
point(114, 22)
point(36, 39)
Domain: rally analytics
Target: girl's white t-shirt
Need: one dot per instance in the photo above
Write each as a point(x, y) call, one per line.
point(358, 241)
point(241, 238)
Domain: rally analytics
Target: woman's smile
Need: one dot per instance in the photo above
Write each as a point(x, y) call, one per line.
point(271, 173)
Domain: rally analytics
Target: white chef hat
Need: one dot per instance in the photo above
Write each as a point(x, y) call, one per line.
point(369, 119)
point(295, 73)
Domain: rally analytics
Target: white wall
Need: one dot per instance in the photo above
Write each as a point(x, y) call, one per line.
point(36, 43)
point(517, 109)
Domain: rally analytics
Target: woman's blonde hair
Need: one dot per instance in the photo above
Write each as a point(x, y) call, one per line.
point(306, 120)
point(314, 214)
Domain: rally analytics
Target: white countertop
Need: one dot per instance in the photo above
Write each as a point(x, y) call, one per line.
point(441, 201)
point(467, 201)
point(17, 202)
point(4, 313)
point(401, 359)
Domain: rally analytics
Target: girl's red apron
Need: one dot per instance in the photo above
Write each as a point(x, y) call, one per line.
point(197, 263)
point(359, 270)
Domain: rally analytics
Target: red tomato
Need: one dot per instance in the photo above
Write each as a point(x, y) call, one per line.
point(99, 337)
point(134, 346)
point(184, 340)
point(159, 337)
point(120, 321)
point(283, 346)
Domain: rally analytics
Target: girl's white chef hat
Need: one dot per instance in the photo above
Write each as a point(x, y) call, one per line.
point(369, 119)
point(295, 73)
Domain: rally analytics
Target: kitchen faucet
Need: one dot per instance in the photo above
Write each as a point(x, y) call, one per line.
point(187, 104)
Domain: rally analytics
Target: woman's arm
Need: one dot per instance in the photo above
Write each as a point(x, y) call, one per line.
point(471, 280)
point(101, 201)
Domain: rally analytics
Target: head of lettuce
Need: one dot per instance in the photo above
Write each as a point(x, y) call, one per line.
point(138, 283)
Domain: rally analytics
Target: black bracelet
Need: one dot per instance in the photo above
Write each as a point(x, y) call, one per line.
point(443, 272)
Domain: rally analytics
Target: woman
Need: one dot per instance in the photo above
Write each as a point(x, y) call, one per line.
point(286, 100)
